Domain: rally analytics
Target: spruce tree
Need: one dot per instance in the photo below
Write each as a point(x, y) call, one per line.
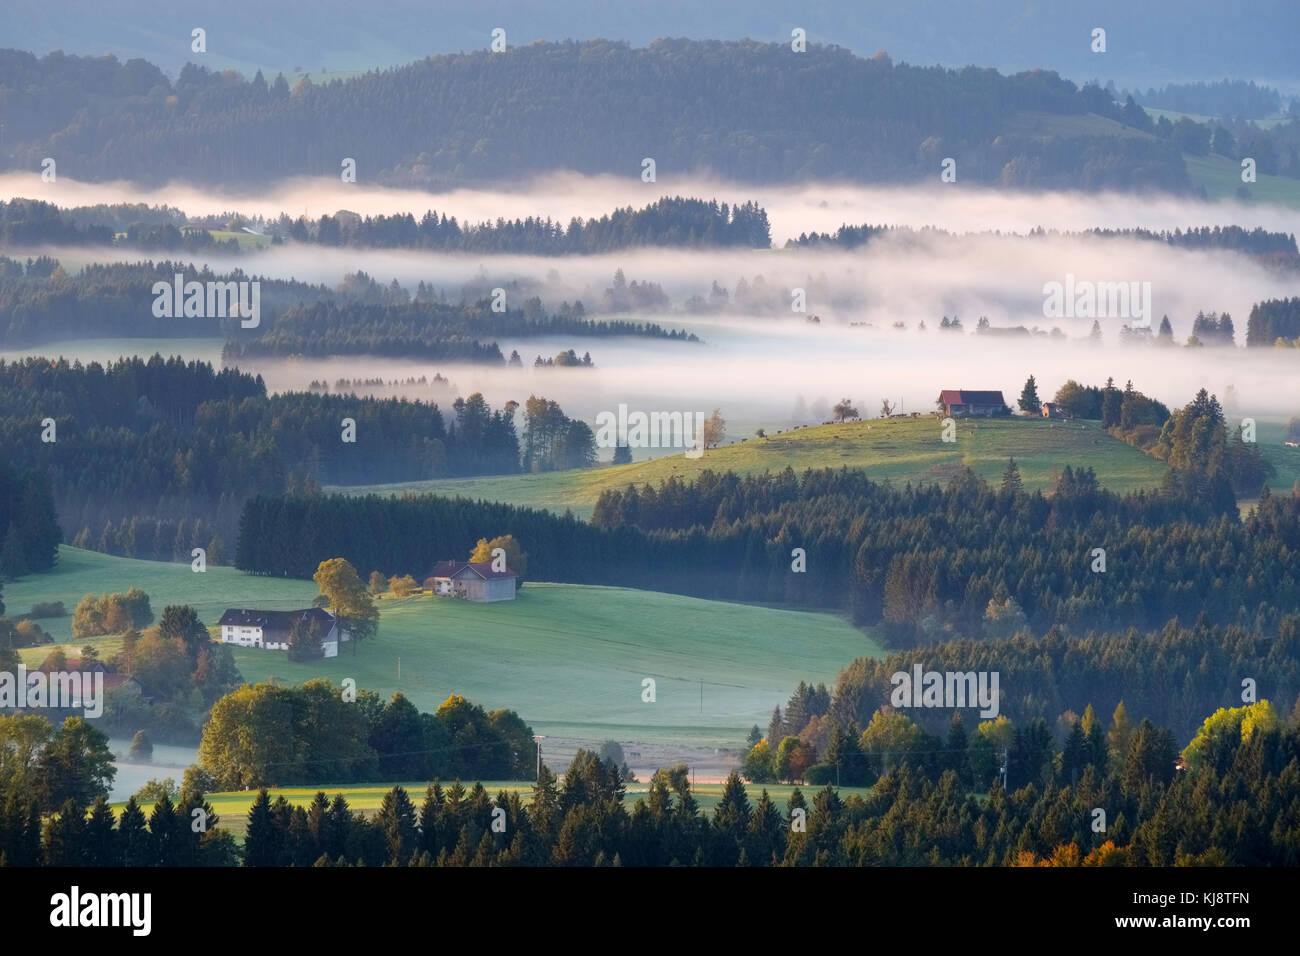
point(100, 837)
point(1029, 400)
point(65, 836)
point(132, 838)
point(1012, 486)
point(260, 843)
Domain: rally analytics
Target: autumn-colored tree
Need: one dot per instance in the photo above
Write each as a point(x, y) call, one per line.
point(757, 766)
point(348, 599)
point(515, 556)
point(1223, 731)
point(403, 586)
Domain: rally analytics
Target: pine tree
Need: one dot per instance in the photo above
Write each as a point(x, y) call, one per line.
point(776, 726)
point(65, 836)
point(731, 816)
point(338, 827)
point(1012, 486)
point(13, 560)
point(166, 834)
point(100, 838)
point(956, 746)
point(1029, 401)
point(260, 842)
point(132, 838)
point(1119, 735)
point(1096, 739)
point(1112, 403)
point(1074, 755)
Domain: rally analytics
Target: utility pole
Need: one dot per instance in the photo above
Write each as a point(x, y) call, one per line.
point(539, 738)
point(701, 695)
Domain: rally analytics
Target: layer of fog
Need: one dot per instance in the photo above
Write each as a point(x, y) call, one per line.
point(893, 279)
point(792, 208)
point(757, 377)
point(753, 367)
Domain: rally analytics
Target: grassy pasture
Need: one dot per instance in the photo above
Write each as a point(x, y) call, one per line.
point(1221, 178)
point(571, 659)
point(898, 450)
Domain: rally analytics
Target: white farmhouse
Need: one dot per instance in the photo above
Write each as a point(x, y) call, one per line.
point(270, 629)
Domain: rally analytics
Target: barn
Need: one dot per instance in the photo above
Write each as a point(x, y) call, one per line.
point(472, 581)
point(961, 401)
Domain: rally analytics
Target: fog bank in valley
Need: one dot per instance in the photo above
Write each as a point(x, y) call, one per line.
point(757, 356)
point(792, 208)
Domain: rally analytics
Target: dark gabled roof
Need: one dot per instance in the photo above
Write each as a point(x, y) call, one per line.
point(277, 621)
point(961, 396)
point(450, 569)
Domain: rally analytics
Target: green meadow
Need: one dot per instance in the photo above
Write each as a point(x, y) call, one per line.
point(572, 660)
point(897, 450)
point(1221, 178)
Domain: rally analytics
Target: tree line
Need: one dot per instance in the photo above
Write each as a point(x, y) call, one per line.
point(29, 526)
point(674, 222)
point(1255, 241)
point(1231, 807)
point(153, 458)
point(40, 301)
point(1274, 322)
point(1174, 675)
point(1211, 461)
point(452, 333)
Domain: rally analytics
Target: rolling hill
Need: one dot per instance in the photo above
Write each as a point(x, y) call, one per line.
point(570, 659)
point(898, 450)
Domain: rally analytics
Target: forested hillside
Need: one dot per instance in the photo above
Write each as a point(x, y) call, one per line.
point(42, 302)
point(153, 458)
point(727, 108)
point(673, 222)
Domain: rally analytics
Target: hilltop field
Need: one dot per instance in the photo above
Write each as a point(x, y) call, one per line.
point(897, 450)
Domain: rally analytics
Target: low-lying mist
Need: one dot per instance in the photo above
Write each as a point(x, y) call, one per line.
point(792, 209)
point(755, 370)
point(754, 366)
